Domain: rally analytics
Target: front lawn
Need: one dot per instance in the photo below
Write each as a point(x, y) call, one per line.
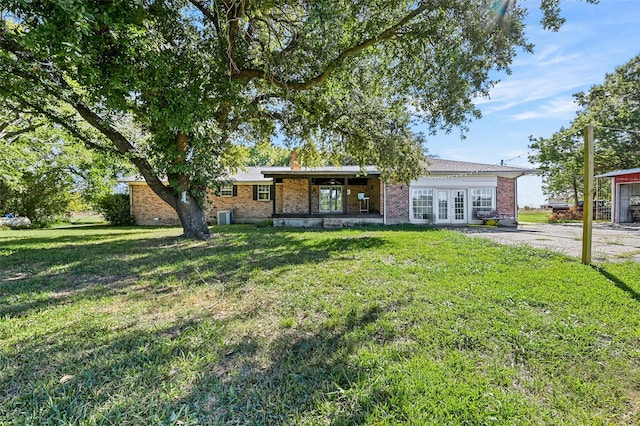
point(405, 325)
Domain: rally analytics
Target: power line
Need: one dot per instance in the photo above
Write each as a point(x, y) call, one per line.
point(616, 129)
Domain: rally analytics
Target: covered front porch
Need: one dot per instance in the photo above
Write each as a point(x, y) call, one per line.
point(327, 197)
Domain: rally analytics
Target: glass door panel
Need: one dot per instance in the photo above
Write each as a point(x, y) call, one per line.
point(459, 205)
point(330, 199)
point(443, 205)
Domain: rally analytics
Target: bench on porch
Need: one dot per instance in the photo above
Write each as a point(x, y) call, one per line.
point(490, 218)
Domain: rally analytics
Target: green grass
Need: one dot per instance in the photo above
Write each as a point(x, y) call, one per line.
point(384, 326)
point(533, 216)
point(542, 216)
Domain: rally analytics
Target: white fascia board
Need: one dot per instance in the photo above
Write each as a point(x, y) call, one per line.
point(456, 182)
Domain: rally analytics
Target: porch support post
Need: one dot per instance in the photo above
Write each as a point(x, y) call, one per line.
point(345, 196)
point(273, 201)
point(309, 193)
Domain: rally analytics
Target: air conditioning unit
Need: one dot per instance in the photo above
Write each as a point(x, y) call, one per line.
point(225, 217)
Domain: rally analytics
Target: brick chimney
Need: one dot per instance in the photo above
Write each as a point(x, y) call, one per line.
point(294, 162)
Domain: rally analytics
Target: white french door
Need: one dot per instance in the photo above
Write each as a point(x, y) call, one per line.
point(451, 206)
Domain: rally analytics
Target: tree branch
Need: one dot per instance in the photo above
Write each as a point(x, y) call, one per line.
point(249, 74)
point(19, 132)
point(212, 16)
point(59, 89)
point(234, 13)
point(125, 147)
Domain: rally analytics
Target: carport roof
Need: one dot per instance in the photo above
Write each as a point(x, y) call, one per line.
point(319, 171)
point(620, 173)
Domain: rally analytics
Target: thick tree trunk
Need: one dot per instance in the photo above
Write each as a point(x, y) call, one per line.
point(192, 218)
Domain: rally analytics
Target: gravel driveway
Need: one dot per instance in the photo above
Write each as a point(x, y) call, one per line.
point(611, 242)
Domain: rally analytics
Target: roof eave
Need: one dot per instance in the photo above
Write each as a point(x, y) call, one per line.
point(322, 173)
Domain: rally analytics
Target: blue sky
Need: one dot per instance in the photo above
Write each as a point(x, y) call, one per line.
point(536, 99)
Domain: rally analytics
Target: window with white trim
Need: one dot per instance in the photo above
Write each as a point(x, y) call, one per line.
point(482, 202)
point(422, 204)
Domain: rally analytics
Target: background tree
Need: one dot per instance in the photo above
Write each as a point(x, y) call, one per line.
point(198, 77)
point(562, 164)
point(265, 154)
point(614, 108)
point(43, 169)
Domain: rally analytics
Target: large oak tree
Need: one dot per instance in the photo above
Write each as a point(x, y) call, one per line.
point(194, 79)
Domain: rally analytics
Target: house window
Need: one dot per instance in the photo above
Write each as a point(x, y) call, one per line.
point(422, 202)
point(482, 202)
point(226, 191)
point(262, 192)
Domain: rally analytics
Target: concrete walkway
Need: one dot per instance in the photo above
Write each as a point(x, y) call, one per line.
point(611, 242)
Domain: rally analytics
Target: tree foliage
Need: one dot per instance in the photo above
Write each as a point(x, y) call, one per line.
point(265, 154)
point(613, 107)
point(42, 169)
point(197, 78)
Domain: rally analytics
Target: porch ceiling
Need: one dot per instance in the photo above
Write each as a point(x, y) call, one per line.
point(305, 173)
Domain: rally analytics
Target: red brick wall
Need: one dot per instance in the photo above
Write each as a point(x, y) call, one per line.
point(295, 196)
point(353, 204)
point(397, 203)
point(371, 190)
point(279, 204)
point(243, 205)
point(506, 197)
point(149, 209)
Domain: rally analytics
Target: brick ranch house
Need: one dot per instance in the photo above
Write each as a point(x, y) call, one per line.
point(453, 192)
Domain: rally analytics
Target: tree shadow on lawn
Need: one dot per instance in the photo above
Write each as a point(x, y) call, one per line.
point(300, 372)
point(618, 283)
point(102, 266)
point(189, 370)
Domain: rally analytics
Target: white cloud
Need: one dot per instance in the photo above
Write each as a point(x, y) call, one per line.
point(552, 77)
point(530, 191)
point(559, 108)
point(565, 62)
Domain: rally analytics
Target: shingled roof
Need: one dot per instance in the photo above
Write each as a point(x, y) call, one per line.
point(440, 166)
point(435, 166)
